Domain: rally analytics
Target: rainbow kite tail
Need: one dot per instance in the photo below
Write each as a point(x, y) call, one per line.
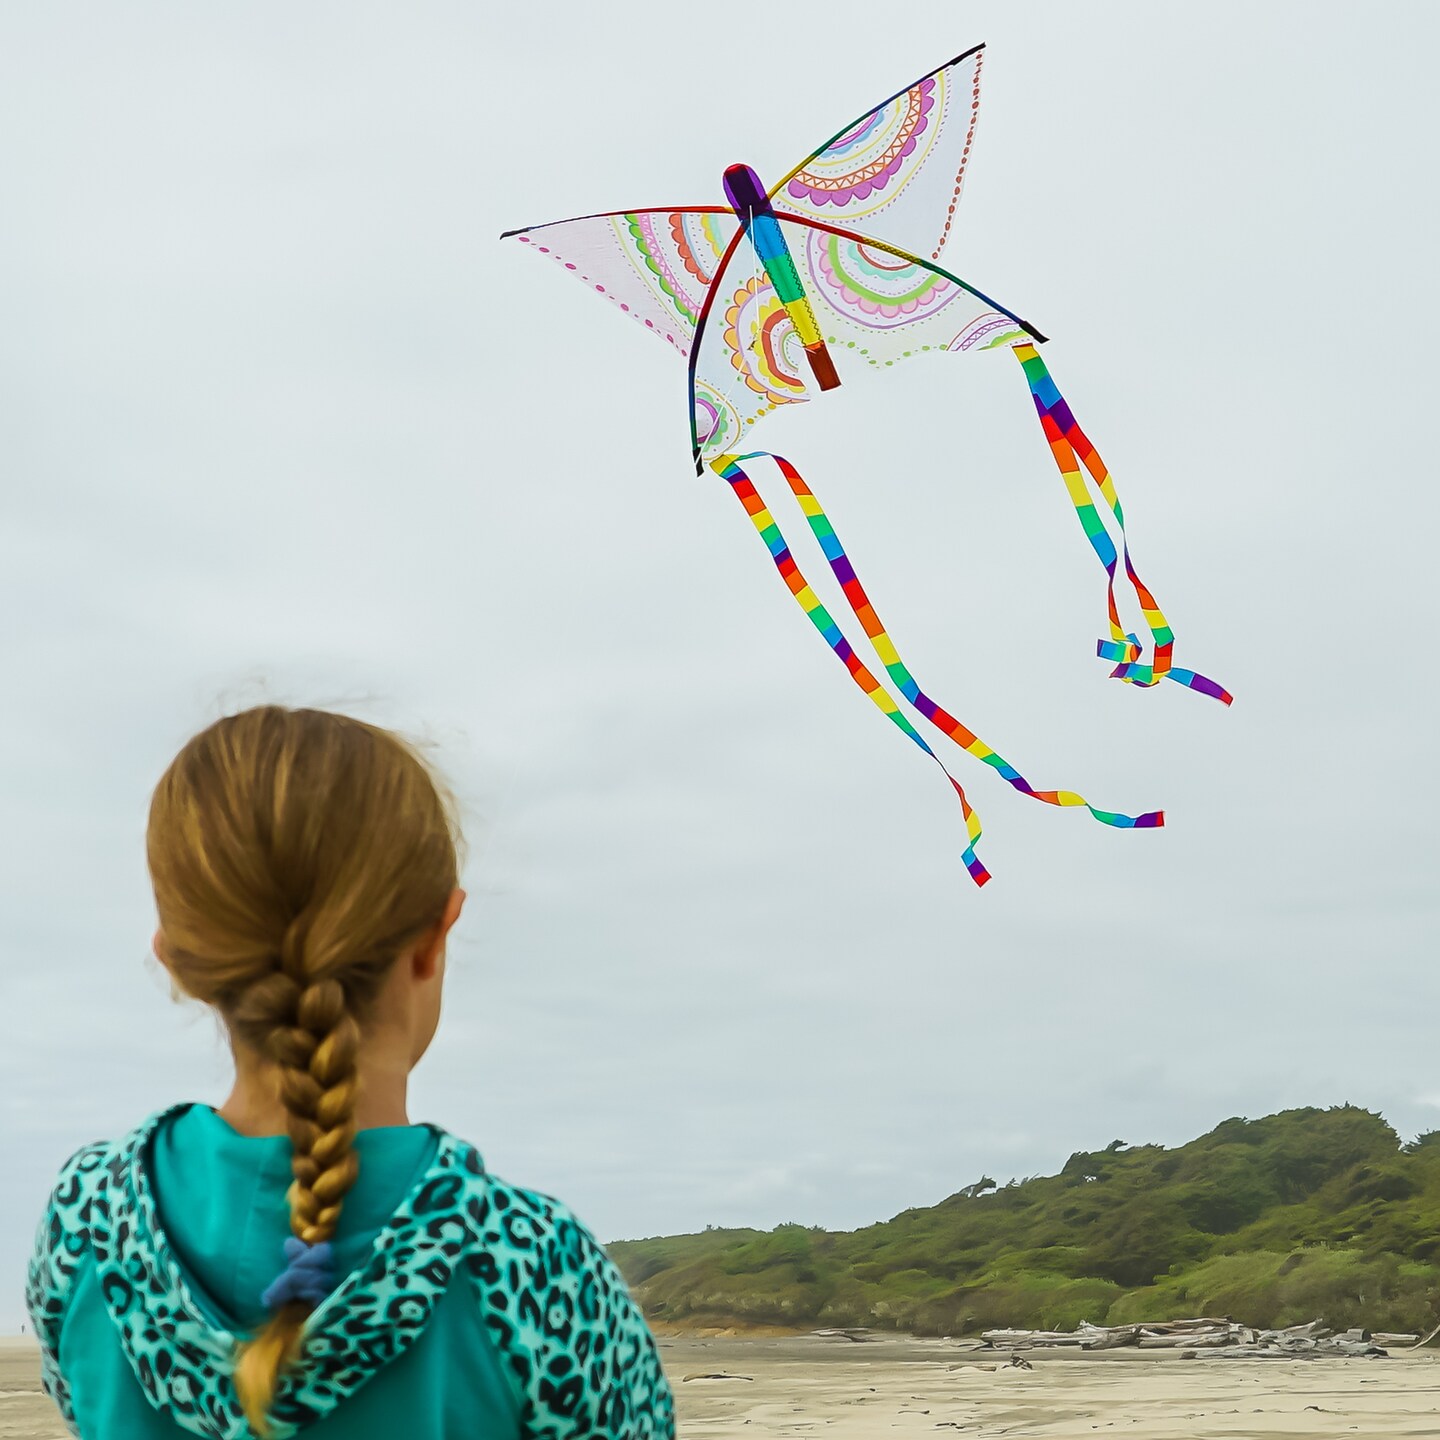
point(905, 682)
point(1076, 458)
point(728, 467)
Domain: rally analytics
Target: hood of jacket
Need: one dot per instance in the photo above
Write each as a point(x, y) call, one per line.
point(181, 1339)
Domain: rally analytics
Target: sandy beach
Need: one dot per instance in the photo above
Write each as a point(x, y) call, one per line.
point(25, 1414)
point(803, 1387)
point(800, 1386)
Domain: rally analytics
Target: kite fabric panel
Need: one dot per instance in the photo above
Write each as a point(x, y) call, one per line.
point(657, 266)
point(899, 170)
point(775, 297)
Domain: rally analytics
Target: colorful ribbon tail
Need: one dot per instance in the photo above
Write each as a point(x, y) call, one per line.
point(905, 682)
point(1129, 669)
point(728, 467)
point(1201, 684)
point(1081, 468)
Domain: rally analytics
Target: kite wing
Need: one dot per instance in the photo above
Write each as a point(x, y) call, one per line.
point(899, 169)
point(657, 265)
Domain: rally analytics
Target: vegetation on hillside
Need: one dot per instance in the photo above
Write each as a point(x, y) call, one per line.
point(1275, 1221)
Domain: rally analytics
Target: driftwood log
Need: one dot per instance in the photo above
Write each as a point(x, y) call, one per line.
point(1404, 1342)
point(1215, 1336)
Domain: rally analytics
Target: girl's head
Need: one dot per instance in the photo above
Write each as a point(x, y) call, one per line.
point(305, 869)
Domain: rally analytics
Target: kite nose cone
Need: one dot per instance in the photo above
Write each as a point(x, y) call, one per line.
point(744, 191)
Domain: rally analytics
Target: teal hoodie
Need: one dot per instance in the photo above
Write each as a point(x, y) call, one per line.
point(468, 1307)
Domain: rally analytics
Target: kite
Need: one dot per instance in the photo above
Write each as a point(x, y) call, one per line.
point(773, 296)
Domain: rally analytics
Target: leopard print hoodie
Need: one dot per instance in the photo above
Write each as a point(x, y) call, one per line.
point(582, 1362)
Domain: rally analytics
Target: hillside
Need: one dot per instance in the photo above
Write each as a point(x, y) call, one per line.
point(1275, 1221)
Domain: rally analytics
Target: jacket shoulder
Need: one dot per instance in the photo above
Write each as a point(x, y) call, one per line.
point(559, 1312)
point(63, 1248)
point(63, 1241)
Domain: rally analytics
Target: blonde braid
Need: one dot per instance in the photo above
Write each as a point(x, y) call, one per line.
point(318, 1084)
point(314, 1042)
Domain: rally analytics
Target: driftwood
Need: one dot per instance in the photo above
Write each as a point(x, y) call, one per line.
point(1103, 1337)
point(1160, 1335)
point(716, 1375)
point(1175, 1327)
point(1184, 1339)
point(1214, 1336)
point(1243, 1352)
point(1314, 1330)
point(1025, 1339)
point(856, 1333)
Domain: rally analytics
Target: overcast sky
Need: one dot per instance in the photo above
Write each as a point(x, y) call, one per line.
point(281, 419)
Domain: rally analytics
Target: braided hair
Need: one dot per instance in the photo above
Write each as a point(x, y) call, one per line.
point(295, 854)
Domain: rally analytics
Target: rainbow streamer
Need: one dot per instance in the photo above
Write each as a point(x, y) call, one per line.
point(1076, 457)
point(728, 467)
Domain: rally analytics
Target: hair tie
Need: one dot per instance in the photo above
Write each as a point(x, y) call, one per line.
point(307, 1275)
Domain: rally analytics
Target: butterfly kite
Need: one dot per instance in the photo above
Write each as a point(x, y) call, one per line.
point(777, 294)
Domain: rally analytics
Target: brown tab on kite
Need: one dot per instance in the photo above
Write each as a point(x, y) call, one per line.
point(822, 366)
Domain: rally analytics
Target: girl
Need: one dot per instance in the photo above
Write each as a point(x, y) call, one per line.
point(304, 1258)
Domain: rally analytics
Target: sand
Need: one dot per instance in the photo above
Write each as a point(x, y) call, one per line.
point(804, 1387)
point(843, 1391)
point(25, 1414)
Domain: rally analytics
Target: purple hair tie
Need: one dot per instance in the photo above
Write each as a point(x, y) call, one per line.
point(307, 1275)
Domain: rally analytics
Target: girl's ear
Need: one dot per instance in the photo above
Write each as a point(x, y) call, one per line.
point(157, 948)
point(426, 957)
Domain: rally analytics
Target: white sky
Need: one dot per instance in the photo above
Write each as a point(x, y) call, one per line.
point(280, 418)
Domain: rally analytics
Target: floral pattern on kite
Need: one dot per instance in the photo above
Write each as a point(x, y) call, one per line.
point(864, 160)
point(876, 288)
point(656, 266)
point(763, 345)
